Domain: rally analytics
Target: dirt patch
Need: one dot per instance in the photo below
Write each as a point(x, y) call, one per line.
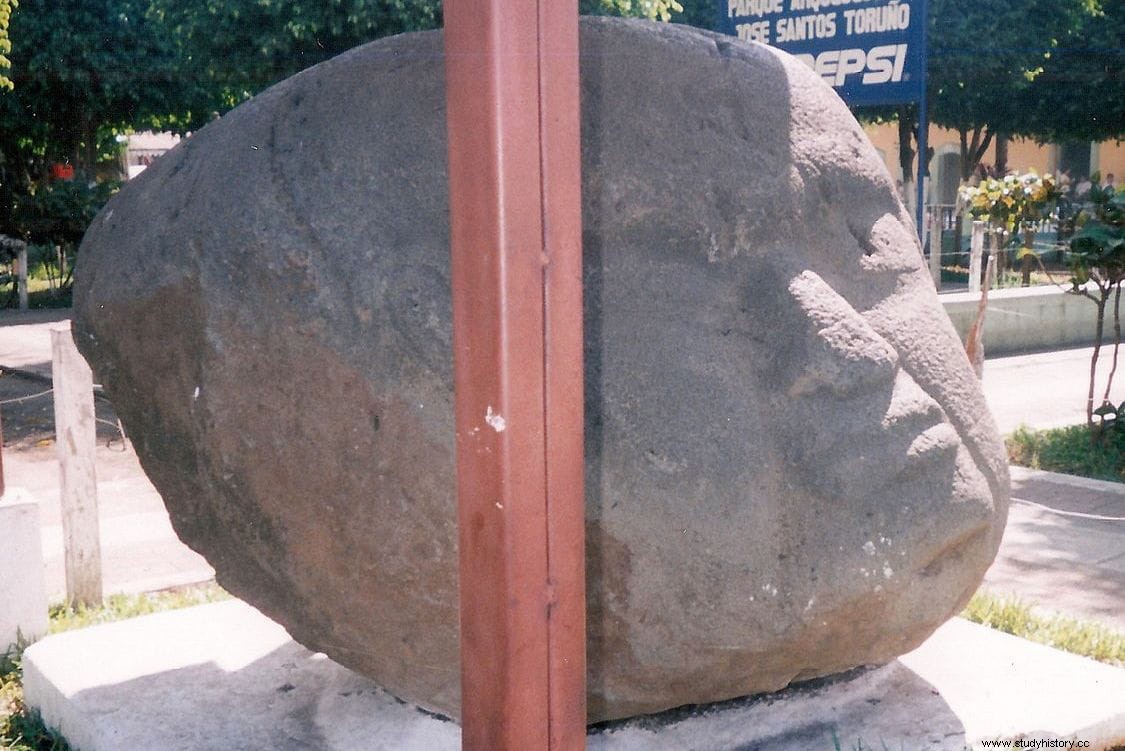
point(27, 408)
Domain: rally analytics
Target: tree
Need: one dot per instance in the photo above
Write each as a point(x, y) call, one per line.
point(239, 47)
point(654, 10)
point(1044, 69)
point(1097, 271)
point(242, 46)
point(1000, 69)
point(83, 71)
point(985, 57)
point(1080, 94)
point(86, 68)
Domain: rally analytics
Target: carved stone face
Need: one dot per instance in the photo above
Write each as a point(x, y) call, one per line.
point(888, 434)
point(790, 469)
point(810, 432)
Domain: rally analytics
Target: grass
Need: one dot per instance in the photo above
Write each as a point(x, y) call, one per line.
point(859, 745)
point(39, 291)
point(39, 295)
point(1070, 451)
point(1084, 638)
point(45, 298)
point(119, 607)
point(22, 729)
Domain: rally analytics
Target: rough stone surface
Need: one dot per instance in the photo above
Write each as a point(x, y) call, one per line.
point(790, 467)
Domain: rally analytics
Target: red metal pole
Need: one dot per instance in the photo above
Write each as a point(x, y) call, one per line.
point(515, 213)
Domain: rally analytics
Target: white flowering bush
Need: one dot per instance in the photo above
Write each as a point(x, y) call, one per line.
point(1012, 201)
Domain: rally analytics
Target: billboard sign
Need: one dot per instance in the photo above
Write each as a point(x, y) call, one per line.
point(870, 51)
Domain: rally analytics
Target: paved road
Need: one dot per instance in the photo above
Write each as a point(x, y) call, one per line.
point(1073, 564)
point(1046, 390)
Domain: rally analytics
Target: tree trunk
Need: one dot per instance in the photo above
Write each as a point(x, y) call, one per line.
point(907, 131)
point(89, 161)
point(1001, 155)
point(1103, 298)
point(906, 134)
point(972, 150)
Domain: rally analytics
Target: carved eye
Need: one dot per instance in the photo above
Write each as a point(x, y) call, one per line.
point(889, 246)
point(847, 356)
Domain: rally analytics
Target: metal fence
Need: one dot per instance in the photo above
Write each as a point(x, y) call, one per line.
point(1050, 241)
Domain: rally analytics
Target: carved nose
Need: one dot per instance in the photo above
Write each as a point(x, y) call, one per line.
point(846, 356)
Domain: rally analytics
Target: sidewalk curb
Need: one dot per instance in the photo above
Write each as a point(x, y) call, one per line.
point(1025, 474)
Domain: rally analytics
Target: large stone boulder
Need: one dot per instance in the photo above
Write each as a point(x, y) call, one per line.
point(790, 467)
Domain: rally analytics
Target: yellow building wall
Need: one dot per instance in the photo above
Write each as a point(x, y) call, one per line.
point(1109, 157)
point(1023, 154)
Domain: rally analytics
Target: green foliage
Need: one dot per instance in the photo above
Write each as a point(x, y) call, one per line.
point(702, 14)
point(1071, 451)
point(984, 53)
point(1097, 270)
point(985, 57)
point(238, 47)
point(654, 10)
point(1079, 95)
point(1042, 69)
point(1085, 638)
point(57, 212)
point(20, 728)
point(85, 69)
point(7, 7)
point(1098, 245)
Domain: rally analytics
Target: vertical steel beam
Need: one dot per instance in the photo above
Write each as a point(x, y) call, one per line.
point(515, 215)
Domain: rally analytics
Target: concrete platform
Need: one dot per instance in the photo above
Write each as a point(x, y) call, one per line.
point(223, 676)
point(1025, 318)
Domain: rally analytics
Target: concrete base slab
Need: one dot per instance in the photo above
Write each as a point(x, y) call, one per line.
point(223, 676)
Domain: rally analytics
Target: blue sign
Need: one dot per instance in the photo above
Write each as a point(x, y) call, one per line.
point(870, 51)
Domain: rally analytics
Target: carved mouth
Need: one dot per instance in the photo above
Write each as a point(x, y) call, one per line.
point(922, 444)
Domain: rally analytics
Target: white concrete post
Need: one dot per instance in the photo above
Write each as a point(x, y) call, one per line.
point(935, 246)
point(78, 490)
point(23, 586)
point(976, 253)
point(21, 274)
